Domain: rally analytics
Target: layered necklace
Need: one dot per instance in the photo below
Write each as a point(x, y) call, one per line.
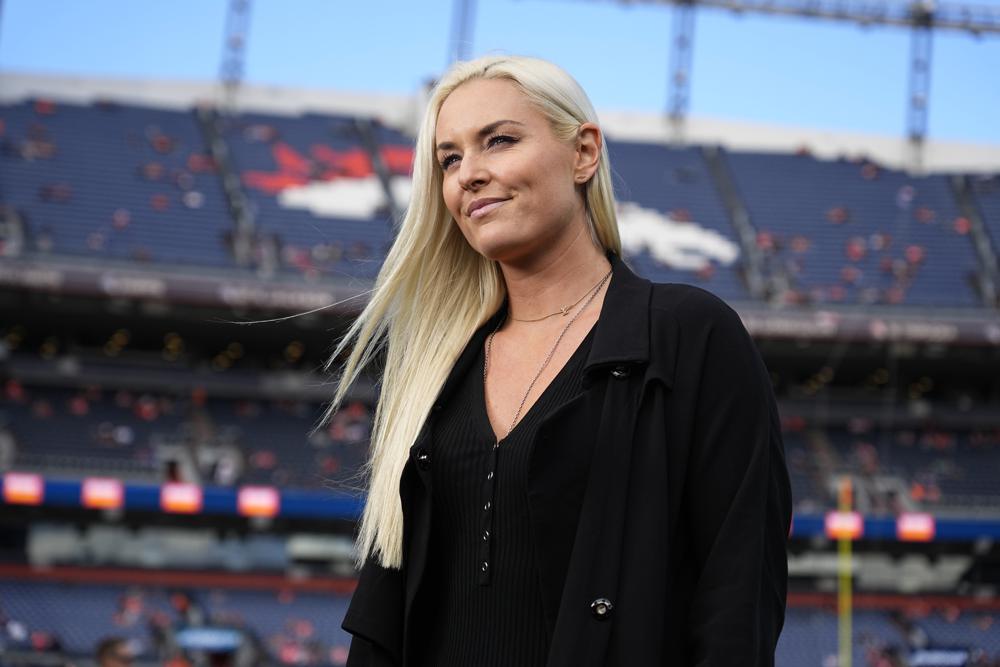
point(587, 299)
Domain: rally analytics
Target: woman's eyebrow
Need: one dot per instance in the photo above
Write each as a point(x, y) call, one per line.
point(485, 131)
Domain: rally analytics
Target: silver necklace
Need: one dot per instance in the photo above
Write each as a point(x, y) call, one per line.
point(489, 346)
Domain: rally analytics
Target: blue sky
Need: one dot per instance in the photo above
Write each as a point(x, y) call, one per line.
point(776, 70)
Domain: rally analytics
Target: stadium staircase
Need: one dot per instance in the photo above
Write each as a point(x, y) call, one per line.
point(767, 280)
point(989, 275)
point(369, 135)
point(244, 232)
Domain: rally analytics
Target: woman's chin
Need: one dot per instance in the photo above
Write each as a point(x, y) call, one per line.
point(494, 242)
point(506, 250)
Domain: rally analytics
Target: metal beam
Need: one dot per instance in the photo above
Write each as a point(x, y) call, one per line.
point(976, 20)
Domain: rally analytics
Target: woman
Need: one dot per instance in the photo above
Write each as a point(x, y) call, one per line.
point(570, 465)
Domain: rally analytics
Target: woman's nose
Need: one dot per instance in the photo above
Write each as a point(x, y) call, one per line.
point(472, 173)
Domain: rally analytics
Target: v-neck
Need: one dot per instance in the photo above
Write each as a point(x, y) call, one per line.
point(530, 413)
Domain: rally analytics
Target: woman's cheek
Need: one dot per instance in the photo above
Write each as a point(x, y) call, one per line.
point(451, 202)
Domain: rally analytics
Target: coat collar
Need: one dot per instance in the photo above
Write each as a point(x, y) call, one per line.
point(622, 331)
point(621, 335)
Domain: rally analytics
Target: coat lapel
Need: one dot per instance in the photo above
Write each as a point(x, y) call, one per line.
point(592, 464)
point(622, 332)
point(557, 478)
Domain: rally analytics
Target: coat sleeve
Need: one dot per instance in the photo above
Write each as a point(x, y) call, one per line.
point(375, 617)
point(738, 496)
point(364, 653)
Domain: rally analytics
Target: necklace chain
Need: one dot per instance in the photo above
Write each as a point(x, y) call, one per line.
point(489, 346)
point(564, 310)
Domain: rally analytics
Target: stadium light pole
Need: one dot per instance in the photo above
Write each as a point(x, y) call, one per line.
point(462, 25)
point(234, 51)
point(921, 42)
point(679, 82)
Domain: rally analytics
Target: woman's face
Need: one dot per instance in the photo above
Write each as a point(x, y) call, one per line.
point(510, 184)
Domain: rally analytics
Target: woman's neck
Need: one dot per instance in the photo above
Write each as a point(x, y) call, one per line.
point(555, 280)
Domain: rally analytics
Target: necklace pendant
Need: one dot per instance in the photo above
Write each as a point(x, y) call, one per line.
point(564, 310)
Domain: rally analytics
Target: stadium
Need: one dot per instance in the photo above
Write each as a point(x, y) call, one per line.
point(177, 263)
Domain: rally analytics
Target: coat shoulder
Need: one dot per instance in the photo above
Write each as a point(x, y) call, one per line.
point(687, 324)
point(688, 305)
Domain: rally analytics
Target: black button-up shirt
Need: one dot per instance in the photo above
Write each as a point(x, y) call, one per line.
point(480, 603)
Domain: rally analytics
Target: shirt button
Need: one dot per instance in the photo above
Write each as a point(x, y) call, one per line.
point(486, 535)
point(489, 475)
point(620, 372)
point(601, 608)
point(487, 506)
point(423, 459)
point(485, 566)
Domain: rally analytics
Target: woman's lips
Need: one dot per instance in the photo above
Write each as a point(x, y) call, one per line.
point(485, 210)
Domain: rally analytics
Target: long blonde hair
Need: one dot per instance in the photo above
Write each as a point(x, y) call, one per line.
point(434, 291)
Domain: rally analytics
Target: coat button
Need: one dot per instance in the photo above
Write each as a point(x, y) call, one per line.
point(601, 608)
point(423, 459)
point(620, 372)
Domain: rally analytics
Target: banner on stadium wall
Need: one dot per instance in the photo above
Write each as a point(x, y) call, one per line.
point(21, 488)
point(915, 527)
point(939, 657)
point(844, 525)
point(80, 279)
point(103, 493)
point(62, 276)
point(31, 489)
point(258, 501)
point(181, 498)
point(211, 639)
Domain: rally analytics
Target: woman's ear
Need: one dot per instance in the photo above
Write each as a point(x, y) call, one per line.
point(588, 152)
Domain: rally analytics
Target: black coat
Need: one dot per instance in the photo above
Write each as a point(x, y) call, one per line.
point(660, 500)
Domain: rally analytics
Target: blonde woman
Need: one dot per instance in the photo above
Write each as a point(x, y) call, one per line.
point(570, 465)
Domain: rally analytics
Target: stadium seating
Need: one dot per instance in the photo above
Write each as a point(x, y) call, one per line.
point(939, 468)
point(94, 430)
point(116, 181)
point(987, 195)
point(76, 432)
point(288, 624)
point(80, 615)
point(675, 182)
point(113, 181)
point(809, 493)
point(809, 637)
point(857, 233)
point(295, 169)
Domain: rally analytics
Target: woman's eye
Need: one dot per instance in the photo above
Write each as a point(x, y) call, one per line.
point(448, 161)
point(501, 139)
